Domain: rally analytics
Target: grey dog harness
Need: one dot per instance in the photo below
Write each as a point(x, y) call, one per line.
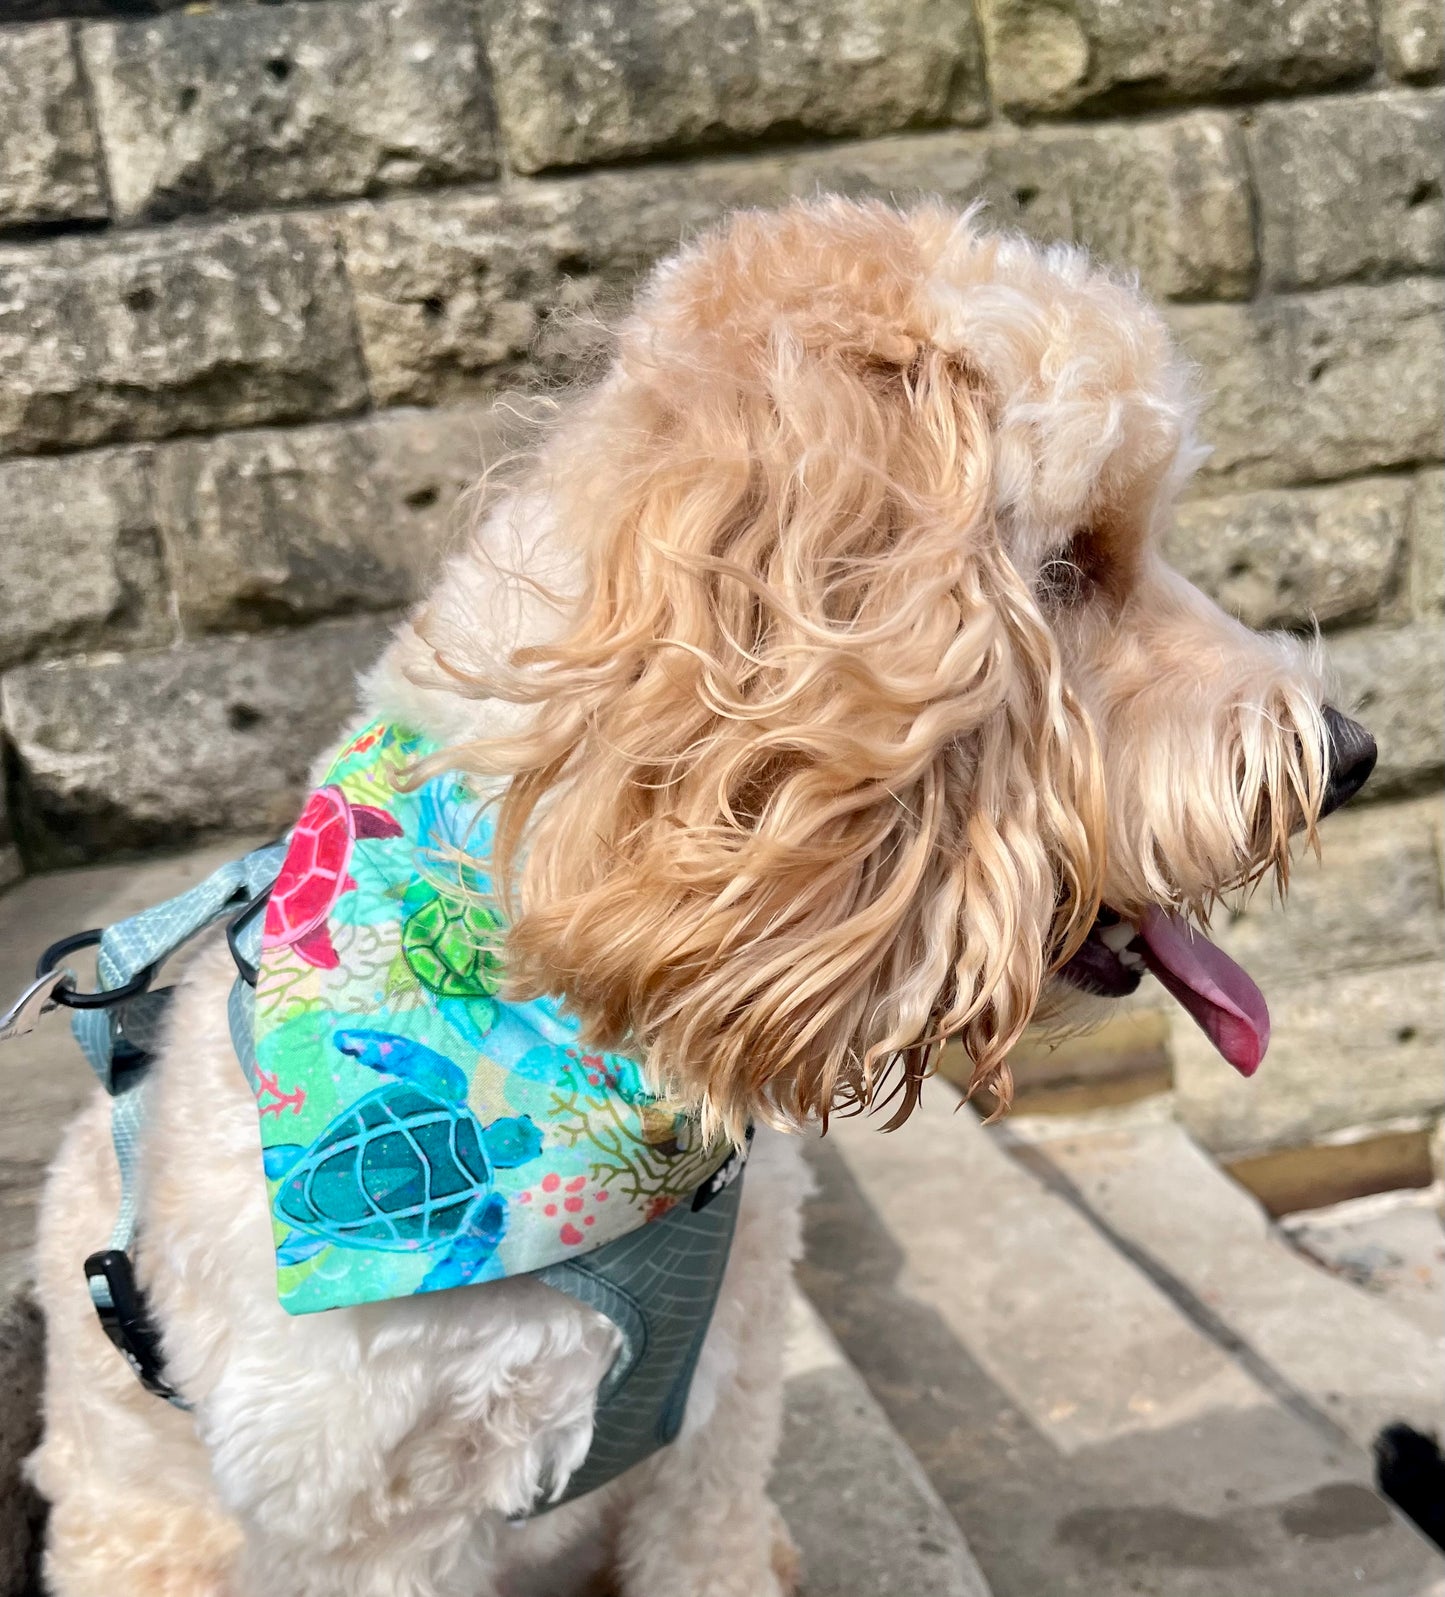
point(658, 1284)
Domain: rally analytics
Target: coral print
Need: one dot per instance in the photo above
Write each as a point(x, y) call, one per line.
point(271, 1100)
point(430, 1133)
point(630, 1139)
point(573, 1204)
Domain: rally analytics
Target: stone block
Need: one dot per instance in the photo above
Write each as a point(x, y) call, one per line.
point(1367, 369)
point(1348, 1356)
point(39, 10)
point(1427, 546)
point(1291, 557)
point(1354, 1048)
point(1350, 187)
point(1169, 198)
point(1364, 1161)
point(1412, 33)
point(1373, 899)
point(182, 330)
point(1308, 387)
point(451, 293)
point(48, 166)
point(82, 554)
point(578, 83)
point(148, 749)
point(263, 105)
point(1069, 54)
point(1388, 1244)
point(1393, 679)
point(270, 526)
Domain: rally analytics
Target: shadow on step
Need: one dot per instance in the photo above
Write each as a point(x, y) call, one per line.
point(1233, 1501)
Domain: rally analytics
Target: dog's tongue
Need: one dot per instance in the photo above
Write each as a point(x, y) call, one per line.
point(1220, 996)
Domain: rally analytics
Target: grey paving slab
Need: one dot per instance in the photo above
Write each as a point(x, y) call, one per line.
point(1090, 1436)
point(1348, 1354)
point(43, 1078)
point(1391, 1244)
point(867, 1521)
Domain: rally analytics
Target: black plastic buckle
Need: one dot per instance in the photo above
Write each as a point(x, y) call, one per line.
point(724, 1176)
point(236, 926)
point(127, 1322)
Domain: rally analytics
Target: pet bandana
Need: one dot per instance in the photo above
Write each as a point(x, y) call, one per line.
point(419, 1130)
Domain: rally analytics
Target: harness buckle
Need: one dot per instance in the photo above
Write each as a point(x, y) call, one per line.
point(238, 928)
point(124, 1318)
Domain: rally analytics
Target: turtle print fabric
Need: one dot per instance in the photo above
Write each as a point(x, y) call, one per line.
point(419, 1131)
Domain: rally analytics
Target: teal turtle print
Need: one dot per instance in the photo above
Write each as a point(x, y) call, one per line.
point(408, 1167)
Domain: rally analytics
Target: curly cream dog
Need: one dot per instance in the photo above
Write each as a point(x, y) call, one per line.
point(837, 701)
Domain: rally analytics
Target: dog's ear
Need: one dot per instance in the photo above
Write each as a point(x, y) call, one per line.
point(805, 793)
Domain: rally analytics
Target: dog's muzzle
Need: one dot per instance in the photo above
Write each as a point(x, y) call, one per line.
point(1351, 756)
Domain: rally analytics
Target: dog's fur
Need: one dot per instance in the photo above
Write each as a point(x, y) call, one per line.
point(828, 677)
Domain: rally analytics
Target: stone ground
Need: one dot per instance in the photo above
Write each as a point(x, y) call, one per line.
point(1072, 1336)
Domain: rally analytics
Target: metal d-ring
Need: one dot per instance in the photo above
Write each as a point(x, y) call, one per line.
point(66, 996)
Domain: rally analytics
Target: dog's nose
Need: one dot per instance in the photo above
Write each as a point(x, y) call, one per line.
point(1351, 759)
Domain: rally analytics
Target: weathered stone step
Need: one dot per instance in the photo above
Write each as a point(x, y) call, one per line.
point(1089, 1428)
point(862, 1511)
point(1392, 1244)
point(1324, 1343)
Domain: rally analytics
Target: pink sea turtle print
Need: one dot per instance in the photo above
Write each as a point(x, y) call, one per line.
point(315, 875)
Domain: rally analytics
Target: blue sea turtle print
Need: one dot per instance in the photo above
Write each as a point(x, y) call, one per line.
point(381, 1175)
point(406, 1168)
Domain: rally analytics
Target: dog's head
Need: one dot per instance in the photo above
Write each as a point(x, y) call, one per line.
point(880, 719)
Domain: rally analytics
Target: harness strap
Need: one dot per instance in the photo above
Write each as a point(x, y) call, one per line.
point(119, 1042)
point(148, 938)
point(657, 1285)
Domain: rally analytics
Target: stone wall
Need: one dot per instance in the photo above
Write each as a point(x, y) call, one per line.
point(263, 267)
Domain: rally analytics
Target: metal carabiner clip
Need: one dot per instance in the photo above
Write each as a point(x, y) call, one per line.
point(36, 1000)
point(54, 988)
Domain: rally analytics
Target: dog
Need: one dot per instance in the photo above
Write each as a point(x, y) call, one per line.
point(833, 700)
